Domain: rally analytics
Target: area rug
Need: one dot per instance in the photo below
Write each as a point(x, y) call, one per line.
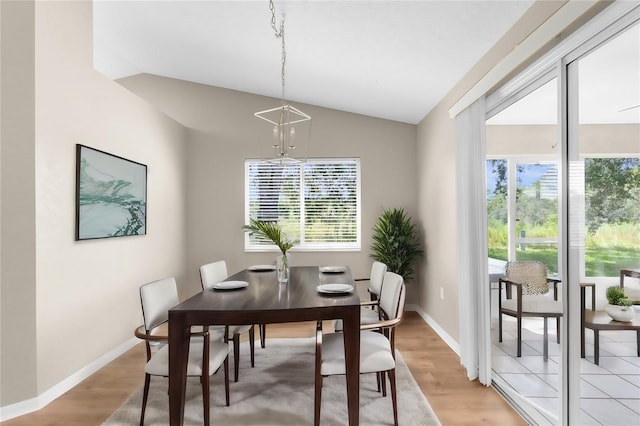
point(279, 391)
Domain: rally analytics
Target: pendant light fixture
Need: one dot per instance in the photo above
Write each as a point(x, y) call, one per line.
point(285, 117)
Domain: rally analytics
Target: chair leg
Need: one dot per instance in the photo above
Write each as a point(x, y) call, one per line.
point(394, 401)
point(226, 379)
point(252, 345)
point(236, 356)
point(558, 330)
point(205, 398)
point(317, 400)
point(383, 382)
point(145, 395)
point(499, 327)
point(263, 335)
point(519, 336)
point(378, 382)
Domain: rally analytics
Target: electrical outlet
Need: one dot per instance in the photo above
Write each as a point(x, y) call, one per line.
point(441, 293)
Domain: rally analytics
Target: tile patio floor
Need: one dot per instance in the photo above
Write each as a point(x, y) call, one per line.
point(609, 392)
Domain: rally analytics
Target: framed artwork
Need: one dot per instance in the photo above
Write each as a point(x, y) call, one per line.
point(111, 195)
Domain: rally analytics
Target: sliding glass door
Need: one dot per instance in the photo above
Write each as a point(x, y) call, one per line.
point(523, 156)
point(604, 217)
point(563, 187)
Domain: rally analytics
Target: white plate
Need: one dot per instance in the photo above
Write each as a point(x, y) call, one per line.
point(334, 288)
point(333, 269)
point(230, 285)
point(261, 268)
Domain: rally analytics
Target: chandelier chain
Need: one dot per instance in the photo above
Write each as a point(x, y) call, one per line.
point(279, 34)
point(285, 117)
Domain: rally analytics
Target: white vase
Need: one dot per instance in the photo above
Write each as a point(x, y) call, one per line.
point(620, 313)
point(282, 268)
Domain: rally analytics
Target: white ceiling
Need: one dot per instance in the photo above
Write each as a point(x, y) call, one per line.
point(388, 59)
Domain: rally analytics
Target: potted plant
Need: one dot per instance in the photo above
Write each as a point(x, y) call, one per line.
point(396, 242)
point(271, 231)
point(619, 307)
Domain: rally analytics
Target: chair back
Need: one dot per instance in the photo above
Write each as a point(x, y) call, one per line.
point(532, 274)
point(213, 273)
point(157, 298)
point(378, 269)
point(392, 295)
point(403, 296)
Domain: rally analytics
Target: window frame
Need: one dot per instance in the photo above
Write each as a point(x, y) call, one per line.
point(308, 246)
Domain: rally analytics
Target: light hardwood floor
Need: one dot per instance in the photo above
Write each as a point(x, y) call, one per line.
point(436, 368)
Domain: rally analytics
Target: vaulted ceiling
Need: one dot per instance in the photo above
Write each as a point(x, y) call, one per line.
point(388, 59)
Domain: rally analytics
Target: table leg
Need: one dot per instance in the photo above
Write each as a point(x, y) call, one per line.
point(178, 353)
point(596, 347)
point(263, 335)
point(351, 332)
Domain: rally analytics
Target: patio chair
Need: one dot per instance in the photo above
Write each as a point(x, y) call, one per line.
point(532, 285)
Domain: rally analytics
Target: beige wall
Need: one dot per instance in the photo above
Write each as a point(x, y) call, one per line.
point(506, 140)
point(437, 179)
point(18, 321)
point(225, 132)
point(67, 303)
point(595, 140)
point(604, 139)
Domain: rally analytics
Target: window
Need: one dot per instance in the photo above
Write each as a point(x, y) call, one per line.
point(316, 203)
point(612, 217)
point(522, 210)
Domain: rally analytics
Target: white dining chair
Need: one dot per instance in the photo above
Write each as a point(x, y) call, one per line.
point(369, 314)
point(378, 269)
point(211, 274)
point(377, 344)
point(205, 355)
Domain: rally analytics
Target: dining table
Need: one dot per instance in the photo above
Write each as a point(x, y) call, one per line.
point(262, 299)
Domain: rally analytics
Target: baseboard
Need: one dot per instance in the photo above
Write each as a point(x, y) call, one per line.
point(34, 404)
point(450, 341)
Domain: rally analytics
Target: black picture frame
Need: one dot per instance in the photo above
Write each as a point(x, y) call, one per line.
point(111, 195)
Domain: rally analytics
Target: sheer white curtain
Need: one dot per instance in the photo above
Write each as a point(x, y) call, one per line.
point(473, 274)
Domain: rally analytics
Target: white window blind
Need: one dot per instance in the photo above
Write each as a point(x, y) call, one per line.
point(316, 203)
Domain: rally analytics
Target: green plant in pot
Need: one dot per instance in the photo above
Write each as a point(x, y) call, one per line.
point(396, 242)
point(619, 307)
point(271, 231)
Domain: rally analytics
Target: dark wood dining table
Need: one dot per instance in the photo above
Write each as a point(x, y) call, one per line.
point(266, 301)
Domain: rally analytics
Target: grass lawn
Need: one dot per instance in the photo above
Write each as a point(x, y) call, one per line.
point(600, 262)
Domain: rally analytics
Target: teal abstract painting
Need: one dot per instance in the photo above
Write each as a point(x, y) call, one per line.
point(111, 195)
